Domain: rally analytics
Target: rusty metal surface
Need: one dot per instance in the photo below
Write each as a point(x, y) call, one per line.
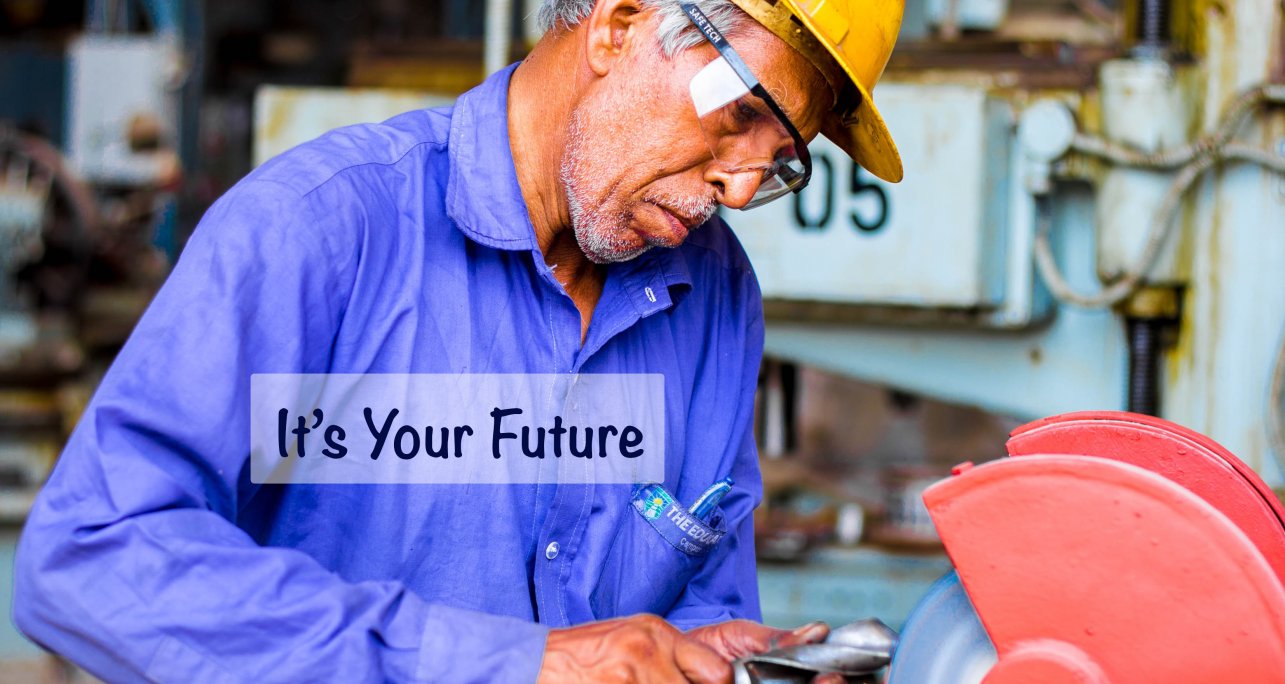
point(1217, 375)
point(1009, 63)
point(1227, 251)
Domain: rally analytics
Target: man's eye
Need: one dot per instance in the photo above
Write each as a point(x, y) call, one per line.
point(745, 114)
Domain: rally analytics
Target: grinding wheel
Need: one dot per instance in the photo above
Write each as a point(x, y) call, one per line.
point(943, 642)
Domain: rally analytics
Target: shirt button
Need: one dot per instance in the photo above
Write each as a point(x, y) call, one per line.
point(551, 551)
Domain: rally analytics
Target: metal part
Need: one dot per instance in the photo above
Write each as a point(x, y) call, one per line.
point(1136, 209)
point(1150, 316)
point(944, 642)
point(1144, 365)
point(1045, 133)
point(869, 634)
point(873, 245)
point(1153, 302)
point(853, 650)
point(1144, 107)
point(1153, 28)
point(767, 673)
point(819, 658)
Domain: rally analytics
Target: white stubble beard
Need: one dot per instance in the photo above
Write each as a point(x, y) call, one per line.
point(603, 234)
point(598, 232)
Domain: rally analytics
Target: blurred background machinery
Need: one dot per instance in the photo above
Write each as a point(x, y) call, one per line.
point(89, 168)
point(1093, 217)
point(78, 227)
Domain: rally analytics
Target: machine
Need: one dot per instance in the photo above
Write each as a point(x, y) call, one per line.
point(1093, 217)
point(1095, 221)
point(1108, 547)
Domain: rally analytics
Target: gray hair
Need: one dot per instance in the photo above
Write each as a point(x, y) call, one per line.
point(676, 32)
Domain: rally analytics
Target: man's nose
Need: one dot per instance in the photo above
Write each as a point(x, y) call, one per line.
point(733, 189)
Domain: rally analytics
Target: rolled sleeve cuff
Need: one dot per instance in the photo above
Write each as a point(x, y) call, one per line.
point(469, 646)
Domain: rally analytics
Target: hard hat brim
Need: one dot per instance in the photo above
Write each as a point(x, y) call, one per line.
point(868, 140)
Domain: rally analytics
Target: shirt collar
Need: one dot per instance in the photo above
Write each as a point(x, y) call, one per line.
point(482, 194)
point(484, 199)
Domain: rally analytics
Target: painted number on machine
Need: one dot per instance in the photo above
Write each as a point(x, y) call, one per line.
point(872, 206)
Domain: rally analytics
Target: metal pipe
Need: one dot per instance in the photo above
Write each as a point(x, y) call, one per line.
point(1144, 365)
point(1153, 29)
point(790, 397)
point(499, 35)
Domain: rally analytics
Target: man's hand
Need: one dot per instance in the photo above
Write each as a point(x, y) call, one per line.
point(738, 638)
point(641, 649)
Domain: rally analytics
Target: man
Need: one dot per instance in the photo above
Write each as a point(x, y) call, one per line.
point(547, 223)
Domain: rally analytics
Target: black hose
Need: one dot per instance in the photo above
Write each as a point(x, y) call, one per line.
point(1144, 365)
point(1153, 27)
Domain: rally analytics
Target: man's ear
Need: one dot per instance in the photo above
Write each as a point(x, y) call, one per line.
point(610, 31)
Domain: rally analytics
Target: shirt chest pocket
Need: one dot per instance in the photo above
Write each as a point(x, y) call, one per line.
point(657, 549)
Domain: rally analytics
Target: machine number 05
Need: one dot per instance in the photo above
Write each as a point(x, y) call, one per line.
point(808, 218)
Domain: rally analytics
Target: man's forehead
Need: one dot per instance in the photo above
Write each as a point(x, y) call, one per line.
point(788, 76)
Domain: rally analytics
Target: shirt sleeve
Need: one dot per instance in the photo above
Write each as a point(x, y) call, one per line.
point(130, 563)
point(726, 586)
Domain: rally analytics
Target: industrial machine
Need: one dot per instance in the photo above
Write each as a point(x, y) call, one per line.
point(1093, 217)
point(1108, 547)
point(1090, 222)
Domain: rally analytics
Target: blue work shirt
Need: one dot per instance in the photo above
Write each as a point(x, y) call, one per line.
point(403, 247)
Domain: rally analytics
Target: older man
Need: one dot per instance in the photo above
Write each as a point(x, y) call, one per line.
point(512, 233)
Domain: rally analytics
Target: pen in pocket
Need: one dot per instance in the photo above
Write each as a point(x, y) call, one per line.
point(705, 505)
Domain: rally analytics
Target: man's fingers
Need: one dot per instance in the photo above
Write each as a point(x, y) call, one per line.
point(743, 637)
point(699, 663)
point(810, 633)
point(739, 638)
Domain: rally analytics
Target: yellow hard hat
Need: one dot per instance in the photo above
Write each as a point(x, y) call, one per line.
point(849, 41)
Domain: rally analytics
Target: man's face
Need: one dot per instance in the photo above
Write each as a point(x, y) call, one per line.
point(637, 169)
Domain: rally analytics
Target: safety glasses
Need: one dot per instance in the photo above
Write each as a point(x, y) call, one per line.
point(742, 125)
